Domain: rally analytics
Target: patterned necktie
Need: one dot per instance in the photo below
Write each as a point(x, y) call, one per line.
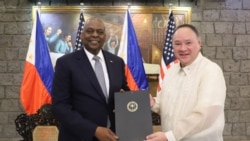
point(100, 75)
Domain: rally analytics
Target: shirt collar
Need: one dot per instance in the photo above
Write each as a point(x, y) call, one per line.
point(187, 69)
point(90, 55)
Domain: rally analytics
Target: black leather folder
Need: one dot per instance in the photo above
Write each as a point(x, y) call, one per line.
point(133, 115)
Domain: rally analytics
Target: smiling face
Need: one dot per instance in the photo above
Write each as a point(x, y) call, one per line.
point(93, 35)
point(186, 45)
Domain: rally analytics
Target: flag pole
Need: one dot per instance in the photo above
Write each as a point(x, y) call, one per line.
point(170, 7)
point(39, 7)
point(81, 4)
point(129, 5)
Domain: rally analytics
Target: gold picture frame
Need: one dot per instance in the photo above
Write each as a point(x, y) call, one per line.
point(146, 20)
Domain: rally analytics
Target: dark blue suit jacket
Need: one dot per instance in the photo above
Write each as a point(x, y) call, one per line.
point(78, 102)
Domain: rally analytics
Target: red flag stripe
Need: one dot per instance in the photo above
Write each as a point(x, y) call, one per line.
point(33, 100)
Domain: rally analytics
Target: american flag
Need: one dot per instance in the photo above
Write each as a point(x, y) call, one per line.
point(78, 43)
point(168, 53)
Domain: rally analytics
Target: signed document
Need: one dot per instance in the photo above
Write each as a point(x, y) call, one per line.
point(133, 115)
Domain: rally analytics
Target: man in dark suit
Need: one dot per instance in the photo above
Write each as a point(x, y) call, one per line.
point(78, 101)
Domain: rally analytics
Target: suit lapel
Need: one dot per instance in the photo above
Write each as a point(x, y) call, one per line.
point(110, 69)
point(89, 72)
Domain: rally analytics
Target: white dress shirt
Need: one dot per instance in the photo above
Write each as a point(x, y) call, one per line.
point(105, 71)
point(191, 103)
point(102, 61)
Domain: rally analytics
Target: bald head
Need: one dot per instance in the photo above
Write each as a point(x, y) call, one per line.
point(91, 20)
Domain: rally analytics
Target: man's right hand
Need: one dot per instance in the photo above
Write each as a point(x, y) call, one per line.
point(59, 31)
point(105, 134)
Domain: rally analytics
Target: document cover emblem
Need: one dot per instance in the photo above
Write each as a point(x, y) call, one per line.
point(133, 115)
point(132, 106)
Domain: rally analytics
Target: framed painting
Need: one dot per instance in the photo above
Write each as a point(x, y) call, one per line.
point(150, 25)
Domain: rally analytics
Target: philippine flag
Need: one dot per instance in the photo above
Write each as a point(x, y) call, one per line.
point(130, 52)
point(38, 72)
